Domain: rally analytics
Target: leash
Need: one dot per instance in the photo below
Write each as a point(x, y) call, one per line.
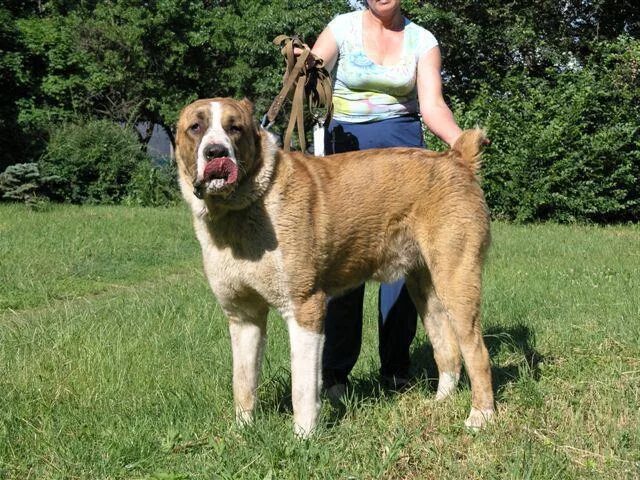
point(311, 81)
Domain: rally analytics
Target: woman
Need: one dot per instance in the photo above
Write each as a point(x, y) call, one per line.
point(386, 73)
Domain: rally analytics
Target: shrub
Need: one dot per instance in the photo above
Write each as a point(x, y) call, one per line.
point(153, 186)
point(566, 148)
point(20, 182)
point(99, 161)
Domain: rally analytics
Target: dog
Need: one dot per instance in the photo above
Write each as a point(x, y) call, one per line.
point(288, 230)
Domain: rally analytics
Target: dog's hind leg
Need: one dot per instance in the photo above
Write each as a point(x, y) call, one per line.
point(437, 325)
point(248, 332)
point(307, 340)
point(455, 263)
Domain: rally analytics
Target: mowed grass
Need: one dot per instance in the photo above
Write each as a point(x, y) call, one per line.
point(115, 362)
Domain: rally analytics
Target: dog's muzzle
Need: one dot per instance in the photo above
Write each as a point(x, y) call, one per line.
point(219, 177)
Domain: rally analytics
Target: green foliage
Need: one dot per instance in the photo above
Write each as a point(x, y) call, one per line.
point(553, 81)
point(132, 62)
point(482, 42)
point(153, 185)
point(13, 80)
point(566, 148)
point(559, 92)
point(99, 161)
point(20, 182)
point(240, 36)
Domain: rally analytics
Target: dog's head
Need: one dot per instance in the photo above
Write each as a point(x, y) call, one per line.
point(217, 146)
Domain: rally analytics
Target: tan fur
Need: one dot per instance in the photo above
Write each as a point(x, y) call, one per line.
point(299, 229)
point(469, 147)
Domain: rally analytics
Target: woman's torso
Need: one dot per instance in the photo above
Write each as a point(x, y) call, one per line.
point(365, 91)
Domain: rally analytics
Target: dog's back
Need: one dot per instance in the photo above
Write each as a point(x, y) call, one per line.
point(363, 209)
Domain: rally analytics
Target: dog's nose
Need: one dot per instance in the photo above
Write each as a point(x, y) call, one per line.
point(215, 150)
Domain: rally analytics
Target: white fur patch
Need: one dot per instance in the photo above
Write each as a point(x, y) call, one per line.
point(447, 384)
point(247, 344)
point(214, 134)
point(318, 140)
point(306, 381)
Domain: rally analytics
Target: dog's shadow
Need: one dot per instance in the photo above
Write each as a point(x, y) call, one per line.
point(519, 344)
point(515, 344)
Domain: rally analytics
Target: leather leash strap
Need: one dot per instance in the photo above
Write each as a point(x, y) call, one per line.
point(311, 81)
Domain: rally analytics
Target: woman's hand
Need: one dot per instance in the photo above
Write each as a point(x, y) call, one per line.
point(297, 51)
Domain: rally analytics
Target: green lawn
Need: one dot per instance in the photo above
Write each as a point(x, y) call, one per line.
point(115, 363)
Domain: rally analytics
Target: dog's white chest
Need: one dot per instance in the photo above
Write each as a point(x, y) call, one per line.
point(232, 277)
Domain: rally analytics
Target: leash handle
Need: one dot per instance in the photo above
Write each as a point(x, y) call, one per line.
point(318, 139)
point(293, 69)
point(311, 81)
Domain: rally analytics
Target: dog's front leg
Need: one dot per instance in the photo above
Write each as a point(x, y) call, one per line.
point(247, 344)
point(307, 340)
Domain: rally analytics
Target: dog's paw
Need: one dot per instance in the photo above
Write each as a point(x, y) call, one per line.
point(302, 432)
point(243, 417)
point(479, 418)
point(305, 420)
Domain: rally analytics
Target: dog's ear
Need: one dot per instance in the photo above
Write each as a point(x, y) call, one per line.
point(246, 103)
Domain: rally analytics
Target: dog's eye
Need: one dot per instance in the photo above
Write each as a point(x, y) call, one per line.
point(195, 128)
point(235, 129)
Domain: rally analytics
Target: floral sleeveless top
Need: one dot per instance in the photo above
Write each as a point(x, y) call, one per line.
point(364, 91)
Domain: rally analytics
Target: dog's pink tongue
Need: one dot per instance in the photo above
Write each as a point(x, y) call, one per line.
point(221, 167)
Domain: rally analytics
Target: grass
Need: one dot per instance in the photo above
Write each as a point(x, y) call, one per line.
point(115, 363)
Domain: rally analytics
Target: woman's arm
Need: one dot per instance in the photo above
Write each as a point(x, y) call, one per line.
point(326, 48)
point(436, 115)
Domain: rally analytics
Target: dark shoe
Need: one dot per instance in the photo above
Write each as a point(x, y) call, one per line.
point(335, 393)
point(395, 383)
point(331, 377)
point(334, 385)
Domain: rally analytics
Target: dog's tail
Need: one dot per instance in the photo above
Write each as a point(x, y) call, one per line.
point(469, 146)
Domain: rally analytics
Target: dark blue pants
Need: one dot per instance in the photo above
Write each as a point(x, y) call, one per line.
point(396, 313)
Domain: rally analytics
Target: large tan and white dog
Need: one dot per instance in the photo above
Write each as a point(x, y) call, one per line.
point(288, 230)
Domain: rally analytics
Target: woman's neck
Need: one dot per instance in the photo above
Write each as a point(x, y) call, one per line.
point(394, 21)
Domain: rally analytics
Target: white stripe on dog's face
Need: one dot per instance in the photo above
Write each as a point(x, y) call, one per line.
point(214, 134)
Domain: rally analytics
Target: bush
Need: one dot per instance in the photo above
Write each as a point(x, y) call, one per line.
point(566, 148)
point(99, 161)
point(153, 186)
point(95, 159)
point(20, 182)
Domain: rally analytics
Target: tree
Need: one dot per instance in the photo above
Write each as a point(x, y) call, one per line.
point(131, 63)
point(13, 83)
point(20, 182)
point(485, 41)
point(533, 71)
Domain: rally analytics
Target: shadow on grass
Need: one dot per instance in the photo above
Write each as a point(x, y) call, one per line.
point(518, 340)
point(275, 394)
point(516, 344)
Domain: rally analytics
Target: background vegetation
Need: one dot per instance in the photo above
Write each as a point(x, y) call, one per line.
point(557, 84)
